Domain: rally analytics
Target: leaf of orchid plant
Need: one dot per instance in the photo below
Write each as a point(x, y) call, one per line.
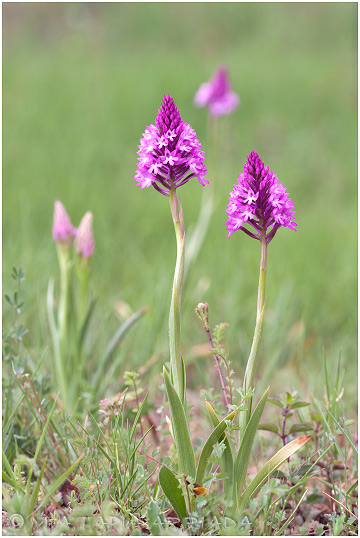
point(171, 487)
point(227, 459)
point(208, 447)
point(85, 324)
point(180, 427)
point(242, 459)
point(265, 472)
point(114, 342)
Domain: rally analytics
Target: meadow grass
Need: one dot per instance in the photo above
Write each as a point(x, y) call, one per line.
point(81, 82)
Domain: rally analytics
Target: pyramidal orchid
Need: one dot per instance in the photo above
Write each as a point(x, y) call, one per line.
point(169, 152)
point(217, 94)
point(169, 156)
point(261, 202)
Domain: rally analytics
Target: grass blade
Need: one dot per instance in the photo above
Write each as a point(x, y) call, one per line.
point(114, 342)
point(59, 482)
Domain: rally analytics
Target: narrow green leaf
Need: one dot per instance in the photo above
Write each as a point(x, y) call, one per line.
point(300, 428)
point(282, 455)
point(280, 532)
point(243, 456)
point(353, 487)
point(58, 483)
point(227, 459)
point(35, 492)
point(181, 431)
point(85, 324)
point(206, 452)
point(344, 432)
point(15, 483)
point(171, 488)
point(268, 428)
point(10, 480)
point(275, 402)
point(115, 341)
point(297, 405)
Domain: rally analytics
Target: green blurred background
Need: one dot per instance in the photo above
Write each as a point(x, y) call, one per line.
point(80, 83)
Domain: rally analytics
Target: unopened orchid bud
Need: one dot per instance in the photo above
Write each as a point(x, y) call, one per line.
point(84, 242)
point(63, 231)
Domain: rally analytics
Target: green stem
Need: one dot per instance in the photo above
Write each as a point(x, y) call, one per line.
point(83, 275)
point(63, 311)
point(255, 348)
point(63, 319)
point(177, 370)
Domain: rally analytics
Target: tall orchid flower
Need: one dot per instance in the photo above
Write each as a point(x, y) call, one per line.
point(259, 202)
point(169, 156)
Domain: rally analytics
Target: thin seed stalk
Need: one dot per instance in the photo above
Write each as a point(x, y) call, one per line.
point(177, 373)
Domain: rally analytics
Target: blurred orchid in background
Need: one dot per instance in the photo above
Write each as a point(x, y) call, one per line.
point(217, 94)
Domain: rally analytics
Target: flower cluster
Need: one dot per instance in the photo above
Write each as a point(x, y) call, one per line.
point(169, 152)
point(64, 232)
point(259, 200)
point(217, 94)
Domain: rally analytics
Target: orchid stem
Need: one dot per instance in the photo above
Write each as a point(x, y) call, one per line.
point(177, 369)
point(255, 348)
